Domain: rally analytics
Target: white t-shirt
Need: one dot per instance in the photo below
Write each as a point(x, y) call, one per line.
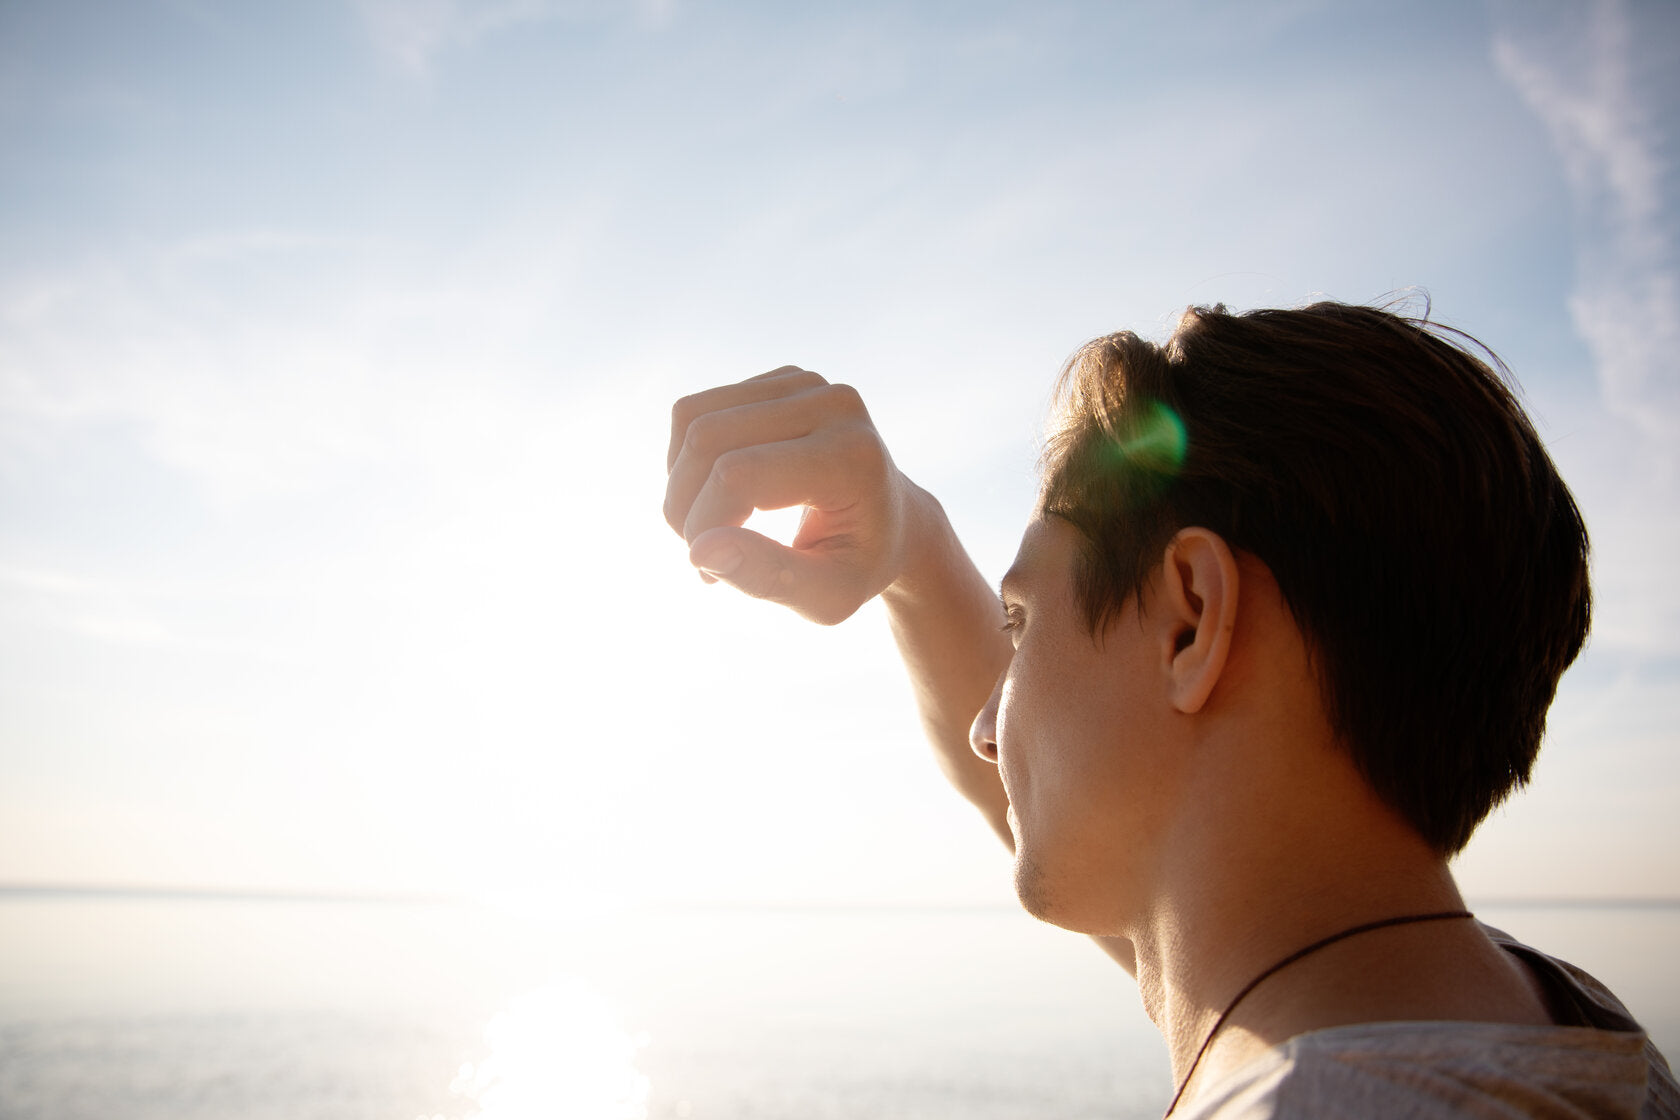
point(1600, 1065)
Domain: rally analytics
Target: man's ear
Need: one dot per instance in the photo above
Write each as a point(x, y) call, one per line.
point(1198, 597)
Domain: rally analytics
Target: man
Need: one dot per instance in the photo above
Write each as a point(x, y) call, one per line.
point(1284, 629)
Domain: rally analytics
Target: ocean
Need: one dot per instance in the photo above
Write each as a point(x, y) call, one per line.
point(206, 1007)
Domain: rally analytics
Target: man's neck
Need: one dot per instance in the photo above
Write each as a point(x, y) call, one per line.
point(1258, 905)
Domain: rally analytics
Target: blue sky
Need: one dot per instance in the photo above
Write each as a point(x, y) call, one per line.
point(337, 342)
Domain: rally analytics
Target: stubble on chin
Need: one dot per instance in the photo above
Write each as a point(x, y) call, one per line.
point(1032, 887)
point(1059, 902)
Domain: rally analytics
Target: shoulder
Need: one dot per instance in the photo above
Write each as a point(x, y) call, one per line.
point(1389, 1071)
point(1599, 1064)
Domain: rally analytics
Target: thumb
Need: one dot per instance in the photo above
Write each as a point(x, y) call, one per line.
point(760, 567)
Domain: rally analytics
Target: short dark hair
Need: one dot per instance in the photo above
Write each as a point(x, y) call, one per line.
point(1433, 558)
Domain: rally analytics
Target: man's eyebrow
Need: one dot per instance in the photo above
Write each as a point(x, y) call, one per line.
point(1015, 576)
point(1026, 559)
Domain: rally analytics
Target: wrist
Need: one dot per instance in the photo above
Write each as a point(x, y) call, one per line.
point(925, 553)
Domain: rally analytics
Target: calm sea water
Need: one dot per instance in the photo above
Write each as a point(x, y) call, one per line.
point(115, 1007)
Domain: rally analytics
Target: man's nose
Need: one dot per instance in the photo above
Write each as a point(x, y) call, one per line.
point(982, 734)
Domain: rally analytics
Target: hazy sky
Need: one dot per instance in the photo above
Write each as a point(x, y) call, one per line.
point(338, 339)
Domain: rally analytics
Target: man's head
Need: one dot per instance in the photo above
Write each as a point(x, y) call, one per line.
point(1433, 559)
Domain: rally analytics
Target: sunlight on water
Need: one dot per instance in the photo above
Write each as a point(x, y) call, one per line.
point(560, 1052)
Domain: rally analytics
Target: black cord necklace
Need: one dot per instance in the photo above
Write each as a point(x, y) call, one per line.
point(1404, 920)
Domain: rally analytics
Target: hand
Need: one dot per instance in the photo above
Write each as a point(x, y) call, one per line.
point(788, 438)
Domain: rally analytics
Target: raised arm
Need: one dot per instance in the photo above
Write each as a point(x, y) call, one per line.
point(789, 438)
point(949, 627)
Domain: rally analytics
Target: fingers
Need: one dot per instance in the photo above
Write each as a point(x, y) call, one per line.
point(812, 584)
point(766, 386)
point(712, 435)
point(763, 476)
point(786, 438)
point(764, 453)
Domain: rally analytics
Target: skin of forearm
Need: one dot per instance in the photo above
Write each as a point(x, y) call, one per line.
point(947, 623)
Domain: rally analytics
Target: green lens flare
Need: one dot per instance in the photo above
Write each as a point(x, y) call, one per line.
point(1161, 439)
point(1156, 445)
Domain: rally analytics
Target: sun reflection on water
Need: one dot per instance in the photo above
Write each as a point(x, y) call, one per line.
point(560, 1052)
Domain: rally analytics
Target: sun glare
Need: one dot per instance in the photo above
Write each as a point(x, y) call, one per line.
point(560, 1052)
point(777, 524)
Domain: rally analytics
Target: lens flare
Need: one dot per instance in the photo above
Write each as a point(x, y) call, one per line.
point(1158, 441)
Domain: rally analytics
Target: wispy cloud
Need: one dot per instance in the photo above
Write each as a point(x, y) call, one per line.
point(1626, 303)
point(260, 364)
point(1580, 73)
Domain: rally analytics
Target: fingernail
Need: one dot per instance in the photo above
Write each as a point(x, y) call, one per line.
point(719, 560)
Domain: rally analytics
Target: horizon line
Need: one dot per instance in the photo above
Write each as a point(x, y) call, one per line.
point(201, 893)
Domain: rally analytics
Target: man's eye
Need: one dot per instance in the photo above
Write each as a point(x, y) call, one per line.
point(1012, 619)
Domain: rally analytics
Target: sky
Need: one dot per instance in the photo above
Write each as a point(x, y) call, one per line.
point(338, 341)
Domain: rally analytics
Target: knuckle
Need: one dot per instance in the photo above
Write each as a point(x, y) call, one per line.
point(683, 411)
point(732, 470)
point(761, 584)
point(789, 379)
point(700, 437)
point(862, 449)
point(766, 578)
point(846, 398)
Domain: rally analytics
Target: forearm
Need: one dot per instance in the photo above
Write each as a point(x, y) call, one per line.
point(947, 622)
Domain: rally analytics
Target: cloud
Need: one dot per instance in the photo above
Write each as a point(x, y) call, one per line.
point(155, 346)
point(1626, 304)
point(1581, 74)
point(266, 365)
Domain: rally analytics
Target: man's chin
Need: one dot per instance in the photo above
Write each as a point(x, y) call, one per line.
point(1034, 891)
point(1040, 897)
